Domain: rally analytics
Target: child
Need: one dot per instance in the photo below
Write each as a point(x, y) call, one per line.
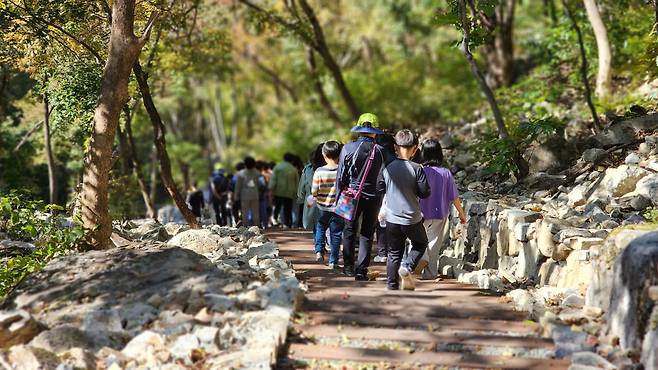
point(404, 182)
point(325, 193)
point(437, 207)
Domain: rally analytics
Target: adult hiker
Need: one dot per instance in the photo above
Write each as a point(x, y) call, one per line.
point(311, 213)
point(283, 185)
point(195, 200)
point(247, 191)
point(359, 166)
point(219, 189)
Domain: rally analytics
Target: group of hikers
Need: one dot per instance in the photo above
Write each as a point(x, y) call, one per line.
point(381, 185)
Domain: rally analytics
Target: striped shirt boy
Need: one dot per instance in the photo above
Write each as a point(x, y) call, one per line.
point(324, 188)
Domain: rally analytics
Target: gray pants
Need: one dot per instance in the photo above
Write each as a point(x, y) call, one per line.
point(250, 206)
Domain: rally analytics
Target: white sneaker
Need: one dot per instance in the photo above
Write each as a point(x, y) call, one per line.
point(332, 266)
point(408, 281)
point(380, 259)
point(319, 257)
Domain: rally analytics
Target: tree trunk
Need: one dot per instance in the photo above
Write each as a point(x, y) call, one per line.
point(522, 165)
point(52, 179)
point(217, 128)
point(236, 116)
point(137, 165)
point(161, 145)
point(655, 9)
point(329, 61)
point(319, 89)
point(550, 11)
point(153, 175)
point(499, 52)
point(604, 76)
point(126, 162)
point(583, 66)
point(124, 48)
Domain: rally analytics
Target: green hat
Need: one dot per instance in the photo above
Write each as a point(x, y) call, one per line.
point(368, 123)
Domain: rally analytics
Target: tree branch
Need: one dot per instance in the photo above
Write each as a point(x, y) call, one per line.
point(149, 26)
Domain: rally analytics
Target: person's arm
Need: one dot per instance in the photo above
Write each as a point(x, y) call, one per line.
point(341, 172)
point(315, 184)
point(274, 179)
point(381, 182)
point(458, 204)
point(213, 189)
point(422, 185)
point(301, 187)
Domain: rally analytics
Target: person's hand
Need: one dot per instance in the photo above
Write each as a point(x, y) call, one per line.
point(462, 218)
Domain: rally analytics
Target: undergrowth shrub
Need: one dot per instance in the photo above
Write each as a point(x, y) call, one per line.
point(22, 219)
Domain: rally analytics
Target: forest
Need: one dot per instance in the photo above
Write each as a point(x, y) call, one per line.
point(110, 110)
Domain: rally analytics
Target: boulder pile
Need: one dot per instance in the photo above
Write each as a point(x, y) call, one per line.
point(168, 298)
point(576, 249)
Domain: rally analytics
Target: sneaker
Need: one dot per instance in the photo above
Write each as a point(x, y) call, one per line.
point(319, 257)
point(360, 277)
point(380, 259)
point(388, 287)
point(420, 267)
point(348, 270)
point(333, 266)
point(408, 282)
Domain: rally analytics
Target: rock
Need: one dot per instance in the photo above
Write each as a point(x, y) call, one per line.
point(568, 341)
point(579, 243)
point(648, 188)
point(64, 337)
point(17, 327)
point(184, 345)
point(502, 238)
point(202, 241)
point(524, 231)
point(24, 357)
point(640, 202)
point(220, 302)
point(145, 342)
point(208, 337)
point(635, 268)
point(543, 181)
point(12, 247)
point(522, 299)
point(573, 300)
point(591, 360)
point(632, 158)
point(617, 182)
point(625, 132)
point(549, 273)
point(569, 233)
point(577, 274)
point(577, 196)
point(79, 359)
point(649, 357)
point(594, 155)
point(529, 260)
point(447, 141)
point(544, 238)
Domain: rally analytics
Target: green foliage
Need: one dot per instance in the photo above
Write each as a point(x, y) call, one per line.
point(651, 215)
point(498, 154)
point(32, 221)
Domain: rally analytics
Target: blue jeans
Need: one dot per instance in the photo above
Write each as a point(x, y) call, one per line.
point(333, 222)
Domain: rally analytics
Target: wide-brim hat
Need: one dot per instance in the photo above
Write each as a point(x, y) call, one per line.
point(368, 123)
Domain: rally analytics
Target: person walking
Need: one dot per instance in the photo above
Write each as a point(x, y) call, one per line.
point(283, 185)
point(404, 182)
point(247, 192)
point(235, 203)
point(310, 213)
point(195, 200)
point(436, 208)
point(387, 142)
point(324, 191)
point(219, 189)
point(353, 162)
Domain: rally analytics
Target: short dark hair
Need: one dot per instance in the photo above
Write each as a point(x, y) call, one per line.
point(249, 162)
point(386, 141)
point(260, 165)
point(239, 166)
point(406, 139)
point(316, 158)
point(332, 149)
point(431, 153)
point(289, 157)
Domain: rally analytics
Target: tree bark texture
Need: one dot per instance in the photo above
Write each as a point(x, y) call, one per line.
point(136, 165)
point(522, 165)
point(161, 145)
point(52, 179)
point(604, 76)
point(499, 51)
point(583, 66)
point(124, 48)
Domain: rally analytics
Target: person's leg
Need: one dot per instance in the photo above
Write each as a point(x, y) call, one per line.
point(336, 228)
point(395, 240)
point(435, 233)
point(287, 211)
point(215, 206)
point(262, 210)
point(244, 208)
point(222, 211)
point(255, 212)
point(381, 241)
point(320, 228)
point(349, 241)
point(418, 237)
point(368, 222)
point(277, 208)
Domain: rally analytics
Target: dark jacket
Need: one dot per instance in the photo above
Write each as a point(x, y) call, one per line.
point(353, 158)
